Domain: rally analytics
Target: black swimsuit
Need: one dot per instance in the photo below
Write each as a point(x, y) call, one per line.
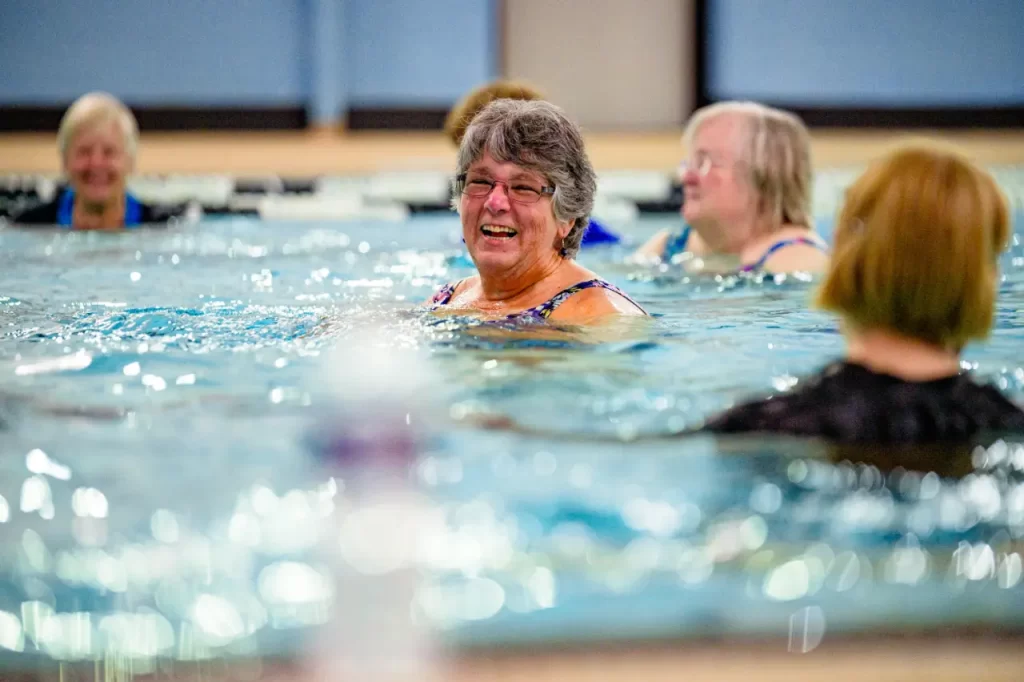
point(848, 403)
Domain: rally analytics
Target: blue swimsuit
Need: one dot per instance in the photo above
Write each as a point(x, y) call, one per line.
point(544, 310)
point(66, 209)
point(778, 246)
point(677, 245)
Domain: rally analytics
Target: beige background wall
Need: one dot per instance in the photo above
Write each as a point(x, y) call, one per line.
point(621, 64)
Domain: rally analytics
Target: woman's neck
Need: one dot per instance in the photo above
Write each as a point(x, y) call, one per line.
point(901, 356)
point(509, 285)
point(738, 238)
point(99, 215)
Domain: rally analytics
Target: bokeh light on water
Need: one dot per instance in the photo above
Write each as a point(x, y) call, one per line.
point(162, 496)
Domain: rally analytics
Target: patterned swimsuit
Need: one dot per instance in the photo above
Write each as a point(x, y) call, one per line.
point(544, 310)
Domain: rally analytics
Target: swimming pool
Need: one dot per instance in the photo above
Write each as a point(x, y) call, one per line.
point(160, 389)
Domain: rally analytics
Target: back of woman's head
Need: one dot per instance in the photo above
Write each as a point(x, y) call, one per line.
point(917, 244)
point(463, 113)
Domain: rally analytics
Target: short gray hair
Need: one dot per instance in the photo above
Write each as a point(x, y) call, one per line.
point(538, 136)
point(94, 108)
point(777, 152)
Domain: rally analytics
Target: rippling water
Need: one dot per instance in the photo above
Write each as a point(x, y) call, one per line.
point(164, 494)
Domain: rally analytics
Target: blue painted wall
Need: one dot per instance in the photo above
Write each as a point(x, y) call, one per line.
point(868, 52)
point(327, 54)
point(331, 54)
point(153, 51)
point(425, 52)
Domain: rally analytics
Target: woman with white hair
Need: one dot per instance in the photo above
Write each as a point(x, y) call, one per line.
point(97, 141)
point(746, 193)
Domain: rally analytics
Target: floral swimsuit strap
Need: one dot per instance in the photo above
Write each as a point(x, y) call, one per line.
point(544, 310)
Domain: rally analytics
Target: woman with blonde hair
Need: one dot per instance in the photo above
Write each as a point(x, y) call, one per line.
point(97, 141)
point(746, 193)
point(914, 278)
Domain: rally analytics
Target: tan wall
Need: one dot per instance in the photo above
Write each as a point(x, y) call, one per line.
point(612, 64)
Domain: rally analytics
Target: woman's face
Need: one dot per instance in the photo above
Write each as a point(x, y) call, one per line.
point(507, 218)
point(715, 187)
point(97, 163)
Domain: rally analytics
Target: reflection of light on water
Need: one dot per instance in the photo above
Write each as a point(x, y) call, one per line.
point(291, 582)
point(847, 571)
point(469, 600)
point(38, 462)
point(164, 526)
point(541, 585)
point(657, 518)
point(695, 566)
point(789, 581)
point(435, 470)
point(34, 551)
point(296, 594)
point(138, 635)
point(154, 382)
point(476, 539)
point(67, 636)
point(795, 579)
point(264, 501)
point(244, 529)
point(581, 476)
point(974, 562)
point(90, 503)
point(217, 619)
point(766, 498)
point(906, 565)
point(11, 636)
point(784, 383)
point(866, 511)
point(982, 492)
point(65, 363)
point(1010, 570)
point(379, 539)
point(33, 615)
point(806, 629)
point(110, 573)
point(5, 510)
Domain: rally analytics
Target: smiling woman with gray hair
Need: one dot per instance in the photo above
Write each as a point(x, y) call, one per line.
point(524, 189)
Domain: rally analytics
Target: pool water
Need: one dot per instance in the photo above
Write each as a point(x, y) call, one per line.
point(159, 467)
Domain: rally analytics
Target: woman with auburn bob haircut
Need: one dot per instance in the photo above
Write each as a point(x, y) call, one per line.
point(913, 277)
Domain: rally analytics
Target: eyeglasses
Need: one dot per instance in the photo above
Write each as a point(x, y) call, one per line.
point(701, 164)
point(481, 187)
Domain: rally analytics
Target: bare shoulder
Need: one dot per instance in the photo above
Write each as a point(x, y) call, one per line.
point(593, 304)
point(653, 248)
point(460, 287)
point(797, 258)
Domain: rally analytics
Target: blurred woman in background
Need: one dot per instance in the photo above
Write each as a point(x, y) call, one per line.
point(97, 142)
point(914, 278)
point(746, 194)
